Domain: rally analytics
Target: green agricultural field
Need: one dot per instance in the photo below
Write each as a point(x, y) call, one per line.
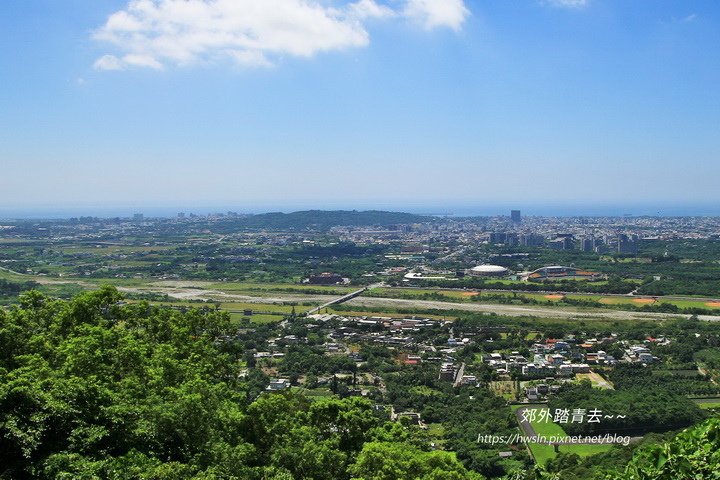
point(396, 292)
point(237, 318)
point(639, 302)
point(254, 287)
point(15, 277)
point(120, 282)
point(268, 312)
point(387, 313)
point(263, 307)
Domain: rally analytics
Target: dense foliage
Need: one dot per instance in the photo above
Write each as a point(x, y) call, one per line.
point(628, 411)
point(92, 388)
point(693, 454)
point(8, 288)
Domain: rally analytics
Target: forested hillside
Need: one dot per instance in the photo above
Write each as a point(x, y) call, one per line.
point(93, 388)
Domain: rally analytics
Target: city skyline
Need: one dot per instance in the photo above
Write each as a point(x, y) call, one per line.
point(417, 105)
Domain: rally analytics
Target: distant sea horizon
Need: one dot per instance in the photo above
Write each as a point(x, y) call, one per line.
point(150, 210)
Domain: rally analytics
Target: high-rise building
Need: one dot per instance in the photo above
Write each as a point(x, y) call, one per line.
point(138, 217)
point(532, 239)
point(515, 216)
point(627, 244)
point(498, 237)
point(587, 244)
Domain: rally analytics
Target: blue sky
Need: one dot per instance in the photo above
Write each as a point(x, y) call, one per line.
point(406, 104)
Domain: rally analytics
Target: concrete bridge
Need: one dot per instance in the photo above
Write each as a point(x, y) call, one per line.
point(342, 299)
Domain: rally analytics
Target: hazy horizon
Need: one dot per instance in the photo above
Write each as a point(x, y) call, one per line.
point(447, 209)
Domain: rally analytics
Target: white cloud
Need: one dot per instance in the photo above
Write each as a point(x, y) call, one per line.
point(108, 62)
point(250, 58)
point(437, 13)
point(368, 9)
point(567, 3)
point(156, 33)
point(141, 61)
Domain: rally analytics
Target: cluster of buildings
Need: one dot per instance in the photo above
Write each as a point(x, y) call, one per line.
point(391, 331)
point(554, 358)
point(615, 243)
point(640, 354)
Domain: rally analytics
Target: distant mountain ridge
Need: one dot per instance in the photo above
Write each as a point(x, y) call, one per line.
point(323, 220)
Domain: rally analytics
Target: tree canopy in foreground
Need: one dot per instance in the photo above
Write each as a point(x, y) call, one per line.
point(93, 388)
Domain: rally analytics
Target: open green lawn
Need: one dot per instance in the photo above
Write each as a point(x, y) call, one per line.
point(437, 432)
point(314, 394)
point(422, 390)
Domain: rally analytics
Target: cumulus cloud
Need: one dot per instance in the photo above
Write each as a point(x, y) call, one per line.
point(436, 13)
point(368, 9)
point(157, 33)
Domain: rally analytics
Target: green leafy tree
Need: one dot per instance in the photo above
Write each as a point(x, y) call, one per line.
point(399, 461)
point(693, 454)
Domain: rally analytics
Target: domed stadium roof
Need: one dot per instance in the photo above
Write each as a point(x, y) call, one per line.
point(487, 269)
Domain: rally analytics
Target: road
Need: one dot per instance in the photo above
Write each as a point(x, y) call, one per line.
point(458, 377)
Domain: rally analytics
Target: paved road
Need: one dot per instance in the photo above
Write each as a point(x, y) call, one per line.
point(458, 377)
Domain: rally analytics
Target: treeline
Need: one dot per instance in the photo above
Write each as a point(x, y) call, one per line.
point(614, 285)
point(641, 402)
point(688, 284)
point(12, 289)
point(637, 377)
point(627, 412)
